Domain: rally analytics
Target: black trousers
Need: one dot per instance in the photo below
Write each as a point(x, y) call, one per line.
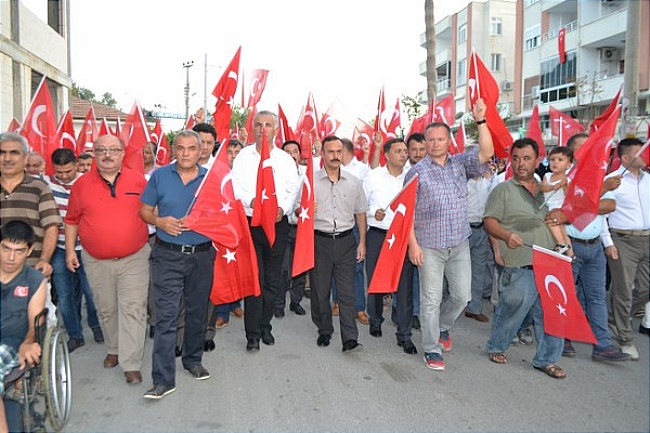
point(295, 285)
point(258, 310)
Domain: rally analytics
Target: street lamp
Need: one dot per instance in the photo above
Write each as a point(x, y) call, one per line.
point(187, 66)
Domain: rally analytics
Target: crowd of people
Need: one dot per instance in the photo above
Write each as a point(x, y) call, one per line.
point(117, 241)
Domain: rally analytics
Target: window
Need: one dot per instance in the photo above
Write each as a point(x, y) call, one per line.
point(495, 28)
point(496, 62)
point(461, 75)
point(557, 80)
point(532, 37)
point(462, 33)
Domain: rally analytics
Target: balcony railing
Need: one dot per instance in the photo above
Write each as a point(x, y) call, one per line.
point(572, 26)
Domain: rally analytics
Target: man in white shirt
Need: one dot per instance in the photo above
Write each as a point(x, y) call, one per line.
point(258, 311)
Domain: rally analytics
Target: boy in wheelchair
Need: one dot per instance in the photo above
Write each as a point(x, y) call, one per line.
point(23, 291)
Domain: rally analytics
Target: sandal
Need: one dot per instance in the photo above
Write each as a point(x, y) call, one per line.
point(498, 358)
point(552, 370)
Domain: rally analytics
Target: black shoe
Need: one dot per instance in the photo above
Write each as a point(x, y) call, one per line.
point(75, 343)
point(323, 340)
point(209, 345)
point(279, 313)
point(352, 346)
point(644, 330)
point(152, 331)
point(267, 337)
point(253, 344)
point(199, 372)
point(408, 346)
point(178, 351)
point(375, 331)
point(393, 315)
point(297, 308)
point(98, 335)
point(306, 294)
point(415, 322)
point(159, 391)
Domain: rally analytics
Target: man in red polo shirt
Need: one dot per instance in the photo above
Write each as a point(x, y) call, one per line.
point(103, 211)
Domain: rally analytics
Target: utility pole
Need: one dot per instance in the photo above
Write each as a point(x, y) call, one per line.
point(631, 77)
point(187, 66)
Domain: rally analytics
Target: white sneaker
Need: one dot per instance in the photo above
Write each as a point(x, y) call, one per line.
point(630, 349)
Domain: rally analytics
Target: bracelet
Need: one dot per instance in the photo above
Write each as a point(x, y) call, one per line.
point(480, 122)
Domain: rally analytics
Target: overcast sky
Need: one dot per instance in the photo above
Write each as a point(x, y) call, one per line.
point(343, 51)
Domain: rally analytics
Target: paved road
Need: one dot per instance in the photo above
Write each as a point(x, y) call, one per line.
point(296, 386)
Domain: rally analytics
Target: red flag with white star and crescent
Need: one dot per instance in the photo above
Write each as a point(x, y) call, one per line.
point(265, 205)
point(303, 255)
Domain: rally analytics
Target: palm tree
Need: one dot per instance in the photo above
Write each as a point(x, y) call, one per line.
point(430, 32)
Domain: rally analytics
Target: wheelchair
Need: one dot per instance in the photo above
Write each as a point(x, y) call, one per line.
point(46, 394)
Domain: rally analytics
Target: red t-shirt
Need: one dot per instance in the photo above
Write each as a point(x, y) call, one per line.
point(108, 216)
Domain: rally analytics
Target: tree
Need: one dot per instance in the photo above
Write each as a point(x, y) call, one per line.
point(107, 99)
point(89, 95)
point(430, 32)
point(412, 105)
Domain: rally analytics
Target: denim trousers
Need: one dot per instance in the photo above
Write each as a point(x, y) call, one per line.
point(479, 250)
point(435, 315)
point(70, 287)
point(517, 297)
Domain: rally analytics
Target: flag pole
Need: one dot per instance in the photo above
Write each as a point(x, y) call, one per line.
point(478, 83)
point(636, 155)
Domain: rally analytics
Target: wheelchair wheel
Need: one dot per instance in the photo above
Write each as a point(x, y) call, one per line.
point(57, 377)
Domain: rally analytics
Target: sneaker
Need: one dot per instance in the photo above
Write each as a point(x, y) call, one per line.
point(75, 343)
point(445, 340)
point(630, 349)
point(159, 391)
point(98, 335)
point(525, 336)
point(434, 361)
point(199, 372)
point(609, 354)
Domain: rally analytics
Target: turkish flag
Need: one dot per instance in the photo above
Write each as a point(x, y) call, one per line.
point(224, 91)
point(265, 205)
point(163, 151)
point(598, 121)
point(189, 124)
point(236, 274)
point(257, 85)
point(118, 128)
point(303, 254)
point(39, 126)
point(328, 125)
point(561, 50)
point(362, 134)
point(419, 124)
point(212, 213)
point(444, 110)
point(481, 85)
point(65, 136)
point(391, 257)
point(459, 140)
point(534, 130)
point(104, 129)
point(307, 127)
point(509, 172)
point(285, 133)
point(563, 315)
point(644, 153)
point(586, 177)
point(248, 126)
point(14, 125)
point(563, 126)
point(89, 132)
point(135, 136)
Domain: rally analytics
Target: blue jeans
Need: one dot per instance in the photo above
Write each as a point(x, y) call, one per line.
point(589, 270)
point(224, 310)
point(479, 248)
point(454, 264)
point(517, 296)
point(69, 288)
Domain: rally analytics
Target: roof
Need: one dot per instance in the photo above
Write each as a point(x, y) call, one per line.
point(79, 108)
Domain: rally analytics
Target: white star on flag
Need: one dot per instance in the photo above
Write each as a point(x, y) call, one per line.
point(561, 309)
point(229, 256)
point(304, 214)
point(390, 241)
point(225, 207)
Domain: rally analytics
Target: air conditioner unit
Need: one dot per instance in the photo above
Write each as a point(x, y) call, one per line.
point(607, 54)
point(507, 86)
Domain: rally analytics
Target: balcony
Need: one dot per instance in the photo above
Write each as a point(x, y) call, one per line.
point(606, 31)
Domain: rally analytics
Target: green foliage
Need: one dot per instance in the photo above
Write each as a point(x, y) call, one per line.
point(412, 105)
point(239, 116)
point(89, 95)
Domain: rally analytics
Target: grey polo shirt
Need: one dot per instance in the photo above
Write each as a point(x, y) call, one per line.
point(337, 202)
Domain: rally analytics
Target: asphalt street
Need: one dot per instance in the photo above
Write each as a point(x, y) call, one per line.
point(295, 386)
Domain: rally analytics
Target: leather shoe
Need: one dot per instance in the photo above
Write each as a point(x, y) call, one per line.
point(253, 344)
point(352, 346)
point(267, 337)
point(178, 352)
point(111, 361)
point(408, 346)
point(297, 308)
point(478, 317)
point(279, 313)
point(375, 331)
point(323, 340)
point(209, 346)
point(133, 376)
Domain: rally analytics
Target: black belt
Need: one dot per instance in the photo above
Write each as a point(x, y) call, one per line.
point(338, 235)
point(185, 249)
point(476, 225)
point(585, 241)
point(377, 229)
point(527, 267)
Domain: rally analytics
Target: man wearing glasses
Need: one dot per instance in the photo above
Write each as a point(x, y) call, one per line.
point(103, 210)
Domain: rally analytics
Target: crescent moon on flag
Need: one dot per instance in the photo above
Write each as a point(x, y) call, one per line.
point(227, 178)
point(254, 86)
point(330, 126)
point(232, 75)
point(471, 83)
point(401, 209)
point(267, 163)
point(37, 112)
point(154, 135)
point(70, 138)
point(306, 182)
point(552, 279)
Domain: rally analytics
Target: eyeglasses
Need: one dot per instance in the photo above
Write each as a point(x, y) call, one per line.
point(107, 151)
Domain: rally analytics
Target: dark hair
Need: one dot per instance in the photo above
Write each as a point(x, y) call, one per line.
point(572, 140)
point(288, 142)
point(416, 136)
point(206, 128)
point(524, 142)
point(234, 143)
point(63, 156)
point(438, 125)
point(562, 150)
point(85, 156)
point(347, 144)
point(626, 144)
point(332, 138)
point(389, 144)
point(18, 231)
